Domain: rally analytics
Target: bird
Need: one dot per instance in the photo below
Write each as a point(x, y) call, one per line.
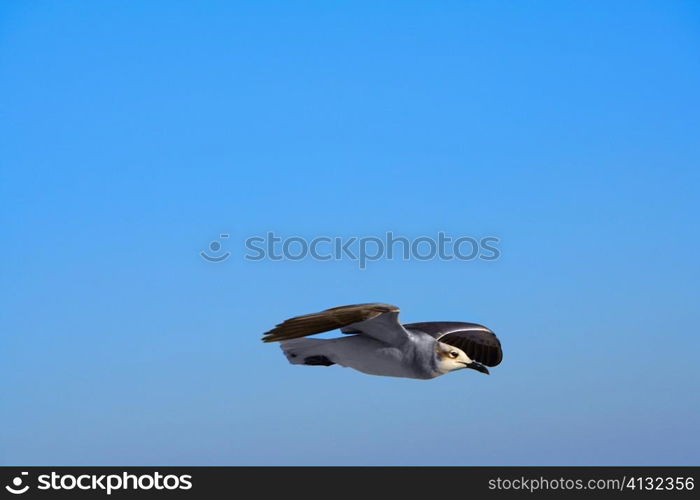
point(376, 343)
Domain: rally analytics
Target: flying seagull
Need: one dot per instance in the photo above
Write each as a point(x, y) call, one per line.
point(377, 344)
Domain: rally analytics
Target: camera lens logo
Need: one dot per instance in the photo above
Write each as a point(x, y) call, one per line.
point(215, 247)
point(16, 488)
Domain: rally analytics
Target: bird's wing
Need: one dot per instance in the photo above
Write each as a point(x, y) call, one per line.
point(477, 341)
point(379, 321)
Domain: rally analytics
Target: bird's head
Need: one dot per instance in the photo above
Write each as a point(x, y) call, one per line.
point(452, 358)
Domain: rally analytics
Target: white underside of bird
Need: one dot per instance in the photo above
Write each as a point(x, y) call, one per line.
point(377, 344)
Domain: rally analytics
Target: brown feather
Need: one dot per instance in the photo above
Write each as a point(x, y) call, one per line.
point(325, 321)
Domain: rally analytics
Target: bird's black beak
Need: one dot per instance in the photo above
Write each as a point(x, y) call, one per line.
point(478, 367)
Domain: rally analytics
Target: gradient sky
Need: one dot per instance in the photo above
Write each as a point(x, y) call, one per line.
point(133, 133)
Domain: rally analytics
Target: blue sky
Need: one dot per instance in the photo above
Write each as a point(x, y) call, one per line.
point(133, 134)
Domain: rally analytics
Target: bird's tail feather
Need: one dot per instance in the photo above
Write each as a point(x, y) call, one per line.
point(306, 352)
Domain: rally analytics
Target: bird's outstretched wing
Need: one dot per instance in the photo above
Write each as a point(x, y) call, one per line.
point(379, 321)
point(477, 341)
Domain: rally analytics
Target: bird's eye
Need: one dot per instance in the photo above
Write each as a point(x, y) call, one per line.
point(453, 354)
